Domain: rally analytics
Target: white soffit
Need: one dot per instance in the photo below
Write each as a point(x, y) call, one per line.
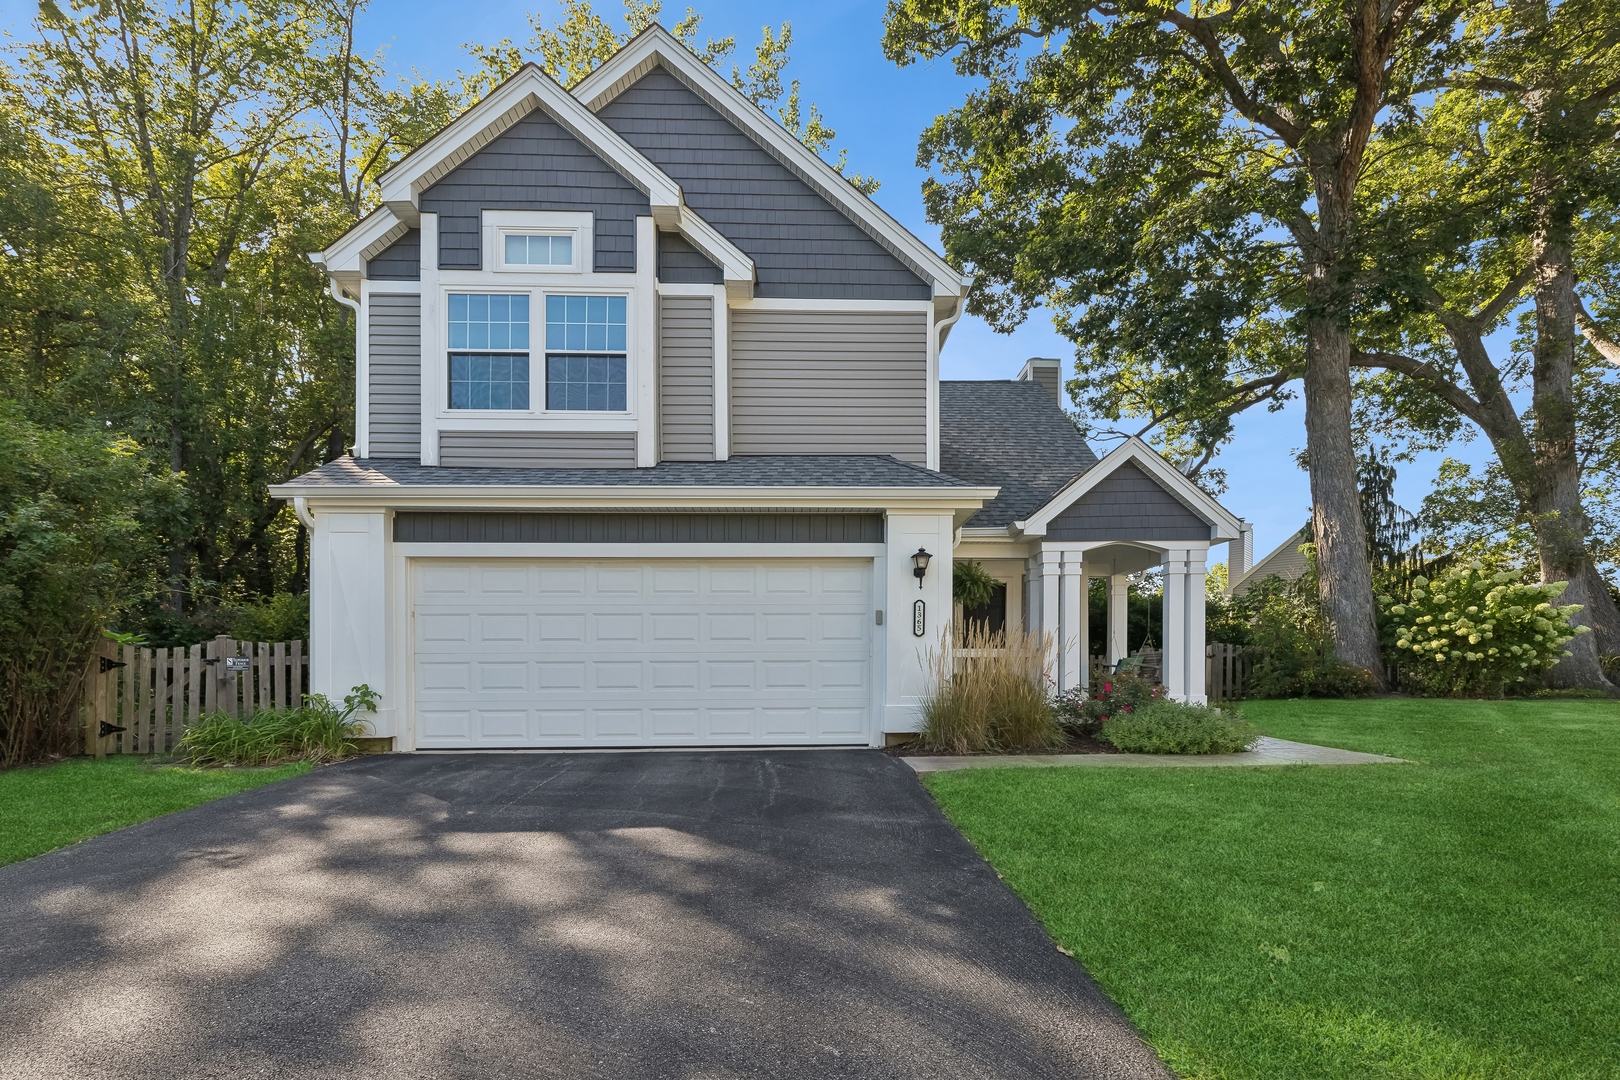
point(655, 46)
point(1227, 525)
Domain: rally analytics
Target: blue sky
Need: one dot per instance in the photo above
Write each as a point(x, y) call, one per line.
point(878, 111)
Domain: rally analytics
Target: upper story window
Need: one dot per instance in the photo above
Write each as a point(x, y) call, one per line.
point(585, 353)
point(489, 351)
point(556, 252)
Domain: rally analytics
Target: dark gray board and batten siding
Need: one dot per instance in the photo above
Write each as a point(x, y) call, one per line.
point(538, 449)
point(535, 165)
point(394, 375)
point(565, 528)
point(802, 246)
point(1128, 505)
point(686, 378)
point(830, 383)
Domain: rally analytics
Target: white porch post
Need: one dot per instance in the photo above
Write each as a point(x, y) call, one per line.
point(1072, 623)
point(1118, 617)
point(1083, 645)
point(1175, 625)
point(1197, 693)
point(1051, 564)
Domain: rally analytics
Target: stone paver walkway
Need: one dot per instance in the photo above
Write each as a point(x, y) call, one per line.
point(1267, 751)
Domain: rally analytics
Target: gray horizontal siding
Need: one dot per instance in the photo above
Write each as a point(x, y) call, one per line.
point(538, 449)
point(801, 244)
point(686, 378)
point(394, 375)
point(830, 383)
point(535, 165)
point(399, 261)
point(681, 263)
point(521, 528)
point(1128, 505)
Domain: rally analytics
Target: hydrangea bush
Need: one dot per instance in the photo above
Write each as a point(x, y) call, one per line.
point(1472, 632)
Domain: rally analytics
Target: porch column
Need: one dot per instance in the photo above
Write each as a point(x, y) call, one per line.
point(1118, 617)
point(1071, 660)
point(1197, 587)
point(1051, 563)
point(1084, 616)
point(1175, 625)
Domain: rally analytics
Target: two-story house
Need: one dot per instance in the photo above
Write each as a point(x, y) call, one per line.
point(652, 447)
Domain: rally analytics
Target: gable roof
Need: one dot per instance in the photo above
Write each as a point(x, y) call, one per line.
point(1285, 560)
point(655, 47)
point(1013, 435)
point(1224, 524)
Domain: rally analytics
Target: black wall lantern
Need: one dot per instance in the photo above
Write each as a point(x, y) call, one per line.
point(920, 562)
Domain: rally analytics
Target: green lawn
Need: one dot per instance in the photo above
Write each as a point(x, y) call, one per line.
point(1455, 919)
point(48, 806)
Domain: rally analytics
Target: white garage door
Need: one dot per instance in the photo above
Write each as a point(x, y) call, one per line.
point(546, 652)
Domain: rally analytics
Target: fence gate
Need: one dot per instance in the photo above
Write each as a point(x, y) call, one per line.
point(140, 701)
point(1226, 669)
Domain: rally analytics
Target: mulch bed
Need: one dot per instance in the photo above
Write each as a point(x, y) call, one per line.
point(1077, 744)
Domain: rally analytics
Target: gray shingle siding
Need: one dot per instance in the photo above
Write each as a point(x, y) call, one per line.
point(400, 261)
point(1128, 505)
point(681, 263)
point(394, 375)
point(802, 246)
point(566, 528)
point(1012, 435)
point(535, 165)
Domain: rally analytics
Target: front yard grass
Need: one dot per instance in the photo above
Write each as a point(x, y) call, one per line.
point(1454, 919)
point(49, 806)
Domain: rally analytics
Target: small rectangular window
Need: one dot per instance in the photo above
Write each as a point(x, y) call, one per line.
point(586, 368)
point(489, 359)
point(539, 251)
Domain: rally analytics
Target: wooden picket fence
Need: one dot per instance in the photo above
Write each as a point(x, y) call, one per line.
point(140, 701)
point(1226, 669)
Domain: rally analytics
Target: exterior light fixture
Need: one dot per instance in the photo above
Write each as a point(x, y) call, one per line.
point(920, 562)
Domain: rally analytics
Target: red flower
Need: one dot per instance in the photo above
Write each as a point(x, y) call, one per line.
point(1108, 688)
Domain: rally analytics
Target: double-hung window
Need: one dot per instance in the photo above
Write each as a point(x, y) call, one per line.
point(489, 351)
point(585, 353)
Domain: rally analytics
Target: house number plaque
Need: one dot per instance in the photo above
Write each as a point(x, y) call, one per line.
point(919, 618)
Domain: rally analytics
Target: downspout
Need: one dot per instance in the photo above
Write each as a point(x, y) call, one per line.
point(944, 326)
point(301, 510)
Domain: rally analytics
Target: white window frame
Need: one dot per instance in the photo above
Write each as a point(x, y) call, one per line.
point(578, 226)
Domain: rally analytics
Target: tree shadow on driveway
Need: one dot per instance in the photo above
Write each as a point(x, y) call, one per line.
point(692, 914)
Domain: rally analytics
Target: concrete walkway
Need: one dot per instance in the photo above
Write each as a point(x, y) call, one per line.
point(1267, 751)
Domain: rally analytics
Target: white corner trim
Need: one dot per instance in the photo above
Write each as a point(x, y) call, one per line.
point(527, 90)
point(1227, 525)
point(656, 45)
point(722, 374)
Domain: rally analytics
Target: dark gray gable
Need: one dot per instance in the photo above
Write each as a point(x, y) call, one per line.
point(535, 165)
point(801, 245)
point(1128, 505)
point(681, 263)
point(400, 261)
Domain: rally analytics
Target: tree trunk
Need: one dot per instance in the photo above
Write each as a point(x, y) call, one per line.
point(1560, 522)
point(1341, 540)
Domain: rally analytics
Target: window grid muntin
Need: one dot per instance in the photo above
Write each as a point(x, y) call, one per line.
point(558, 250)
point(488, 359)
point(586, 362)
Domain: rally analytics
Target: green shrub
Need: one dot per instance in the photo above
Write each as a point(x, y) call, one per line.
point(1170, 727)
point(1474, 633)
point(283, 617)
point(1290, 644)
point(971, 584)
point(989, 693)
point(1083, 711)
point(317, 732)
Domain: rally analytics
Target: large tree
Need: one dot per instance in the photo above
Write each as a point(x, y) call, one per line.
point(1183, 177)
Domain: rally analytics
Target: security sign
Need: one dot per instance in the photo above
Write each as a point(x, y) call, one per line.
point(919, 618)
point(238, 663)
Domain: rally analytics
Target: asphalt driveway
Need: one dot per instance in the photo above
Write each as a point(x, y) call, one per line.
point(670, 915)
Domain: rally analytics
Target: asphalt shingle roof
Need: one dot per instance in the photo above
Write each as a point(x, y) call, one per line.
point(848, 470)
point(1011, 435)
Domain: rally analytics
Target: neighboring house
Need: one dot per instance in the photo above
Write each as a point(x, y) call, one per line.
point(651, 440)
point(1286, 562)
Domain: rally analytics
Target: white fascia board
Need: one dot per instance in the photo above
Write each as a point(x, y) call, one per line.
point(527, 90)
point(370, 237)
point(655, 45)
point(325, 498)
point(1227, 525)
point(736, 269)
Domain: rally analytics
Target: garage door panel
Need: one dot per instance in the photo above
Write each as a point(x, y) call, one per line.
point(551, 653)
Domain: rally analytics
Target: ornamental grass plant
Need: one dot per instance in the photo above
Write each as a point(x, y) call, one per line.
point(990, 692)
point(1474, 633)
point(317, 732)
